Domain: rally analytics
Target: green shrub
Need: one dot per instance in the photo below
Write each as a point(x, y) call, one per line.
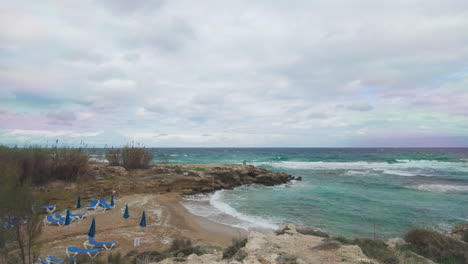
point(185, 247)
point(178, 244)
point(437, 247)
point(116, 258)
point(129, 157)
point(344, 240)
point(42, 165)
point(232, 250)
point(148, 257)
point(378, 250)
point(465, 237)
point(114, 157)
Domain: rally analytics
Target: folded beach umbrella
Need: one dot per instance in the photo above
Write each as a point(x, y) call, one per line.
point(78, 202)
point(143, 220)
point(67, 218)
point(112, 201)
point(92, 229)
point(126, 214)
point(2, 238)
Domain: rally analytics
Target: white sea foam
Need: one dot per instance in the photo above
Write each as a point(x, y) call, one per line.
point(400, 173)
point(400, 167)
point(357, 173)
point(213, 208)
point(440, 188)
point(216, 201)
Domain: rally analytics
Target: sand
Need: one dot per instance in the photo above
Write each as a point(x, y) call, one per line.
point(166, 220)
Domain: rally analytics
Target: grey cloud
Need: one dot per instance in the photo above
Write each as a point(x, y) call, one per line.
point(61, 118)
point(124, 7)
point(360, 107)
point(83, 55)
point(168, 36)
point(107, 74)
point(131, 57)
point(317, 115)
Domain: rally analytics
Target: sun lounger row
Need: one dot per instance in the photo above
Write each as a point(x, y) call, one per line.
point(60, 220)
point(92, 249)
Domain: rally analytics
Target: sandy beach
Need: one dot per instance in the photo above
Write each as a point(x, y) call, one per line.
point(166, 219)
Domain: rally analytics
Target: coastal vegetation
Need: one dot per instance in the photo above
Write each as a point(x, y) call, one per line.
point(20, 219)
point(41, 165)
point(129, 157)
point(232, 250)
point(437, 247)
point(378, 250)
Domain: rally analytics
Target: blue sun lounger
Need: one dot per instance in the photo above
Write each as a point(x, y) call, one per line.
point(50, 220)
point(93, 205)
point(49, 208)
point(91, 243)
point(104, 204)
point(60, 217)
point(53, 260)
point(78, 216)
point(42, 261)
point(92, 252)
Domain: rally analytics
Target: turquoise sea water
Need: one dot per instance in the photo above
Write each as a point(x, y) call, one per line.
point(350, 192)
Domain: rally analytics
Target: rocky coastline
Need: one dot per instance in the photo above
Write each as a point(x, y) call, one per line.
point(160, 188)
point(185, 179)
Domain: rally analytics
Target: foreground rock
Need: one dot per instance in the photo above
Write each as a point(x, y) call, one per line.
point(287, 246)
point(460, 232)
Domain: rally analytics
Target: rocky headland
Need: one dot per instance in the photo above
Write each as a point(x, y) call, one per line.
point(178, 178)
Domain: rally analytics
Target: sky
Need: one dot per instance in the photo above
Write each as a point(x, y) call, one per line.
point(264, 73)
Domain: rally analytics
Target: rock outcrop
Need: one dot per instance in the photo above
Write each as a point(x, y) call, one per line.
point(460, 232)
point(286, 246)
point(181, 178)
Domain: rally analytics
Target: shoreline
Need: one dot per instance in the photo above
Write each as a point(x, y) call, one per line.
point(167, 219)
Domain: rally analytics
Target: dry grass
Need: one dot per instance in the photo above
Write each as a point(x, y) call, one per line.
point(129, 157)
point(378, 250)
point(43, 165)
point(437, 247)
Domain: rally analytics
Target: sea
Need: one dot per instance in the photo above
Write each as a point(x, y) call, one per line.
point(351, 192)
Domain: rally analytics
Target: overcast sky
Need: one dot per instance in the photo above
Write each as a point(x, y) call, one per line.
point(234, 73)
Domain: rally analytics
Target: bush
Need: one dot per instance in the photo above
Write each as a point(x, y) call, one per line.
point(465, 237)
point(18, 214)
point(129, 157)
point(344, 240)
point(148, 257)
point(114, 157)
point(178, 244)
point(185, 247)
point(42, 165)
point(232, 250)
point(378, 250)
point(437, 247)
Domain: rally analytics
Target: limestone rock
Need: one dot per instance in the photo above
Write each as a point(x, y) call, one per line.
point(460, 232)
point(290, 248)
